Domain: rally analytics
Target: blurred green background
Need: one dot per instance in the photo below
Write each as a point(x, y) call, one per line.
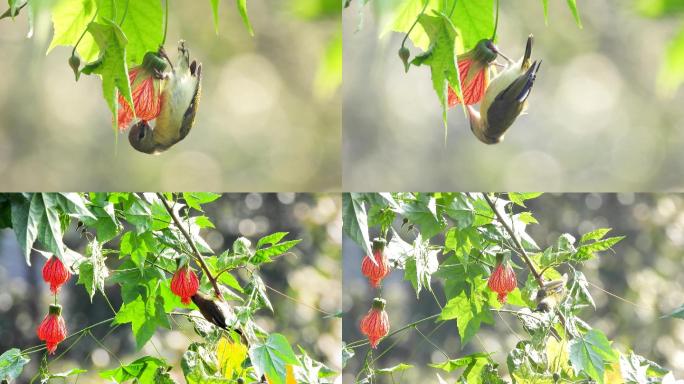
point(646, 272)
point(269, 117)
point(310, 276)
point(597, 119)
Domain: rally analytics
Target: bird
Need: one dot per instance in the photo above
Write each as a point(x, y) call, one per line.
point(180, 96)
point(216, 311)
point(551, 294)
point(505, 99)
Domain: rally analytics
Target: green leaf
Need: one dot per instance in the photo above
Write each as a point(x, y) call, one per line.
point(671, 74)
point(632, 370)
point(93, 272)
point(36, 217)
point(144, 315)
point(479, 368)
point(520, 198)
point(264, 255)
point(678, 313)
point(397, 368)
point(257, 291)
point(44, 206)
point(405, 14)
point(580, 290)
point(203, 222)
point(474, 20)
point(355, 220)
point(25, 226)
point(460, 210)
point(469, 313)
point(12, 7)
point(546, 11)
point(242, 8)
point(138, 214)
point(572, 4)
point(527, 218)
point(215, 14)
point(594, 235)
point(137, 246)
point(196, 199)
point(271, 239)
point(105, 224)
point(660, 8)
point(271, 358)
point(65, 374)
point(160, 216)
point(12, 363)
point(423, 213)
point(70, 19)
point(329, 72)
point(454, 364)
point(201, 367)
point(142, 26)
point(440, 56)
point(146, 369)
point(421, 264)
point(111, 65)
point(590, 353)
point(528, 365)
point(588, 250)
point(74, 205)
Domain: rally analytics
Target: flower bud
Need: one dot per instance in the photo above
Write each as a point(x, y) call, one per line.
point(184, 284)
point(75, 63)
point(404, 55)
point(55, 273)
point(52, 329)
point(375, 325)
point(503, 280)
point(377, 268)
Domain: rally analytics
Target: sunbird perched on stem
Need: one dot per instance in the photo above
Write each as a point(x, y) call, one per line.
point(505, 99)
point(179, 101)
point(216, 311)
point(551, 294)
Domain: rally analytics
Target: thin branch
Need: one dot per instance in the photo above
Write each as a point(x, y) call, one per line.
point(37, 348)
point(297, 301)
point(198, 255)
point(361, 342)
point(523, 253)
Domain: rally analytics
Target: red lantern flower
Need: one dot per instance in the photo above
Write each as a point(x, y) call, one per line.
point(52, 329)
point(376, 271)
point(55, 273)
point(184, 284)
point(503, 280)
point(375, 324)
point(473, 70)
point(145, 89)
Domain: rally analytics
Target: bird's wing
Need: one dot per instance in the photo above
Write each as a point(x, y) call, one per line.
point(189, 116)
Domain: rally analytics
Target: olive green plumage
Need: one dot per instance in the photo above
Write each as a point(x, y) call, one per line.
point(216, 311)
point(180, 96)
point(505, 99)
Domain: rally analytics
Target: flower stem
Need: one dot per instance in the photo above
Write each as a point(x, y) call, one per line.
point(403, 42)
point(523, 253)
point(362, 342)
point(40, 347)
point(73, 51)
point(166, 21)
point(198, 256)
